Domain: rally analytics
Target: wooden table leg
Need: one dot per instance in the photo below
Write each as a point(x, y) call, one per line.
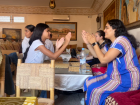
point(2, 88)
point(33, 93)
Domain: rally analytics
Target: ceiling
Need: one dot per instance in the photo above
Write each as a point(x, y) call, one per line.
point(63, 7)
point(59, 3)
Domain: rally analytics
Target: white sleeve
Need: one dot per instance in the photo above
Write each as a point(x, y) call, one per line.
point(25, 45)
point(36, 44)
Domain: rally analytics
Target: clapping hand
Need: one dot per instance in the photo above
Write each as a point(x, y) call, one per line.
point(59, 43)
point(68, 37)
point(84, 36)
point(88, 38)
point(91, 38)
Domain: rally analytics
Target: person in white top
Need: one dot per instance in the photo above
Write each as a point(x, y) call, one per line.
point(28, 32)
point(49, 46)
point(37, 51)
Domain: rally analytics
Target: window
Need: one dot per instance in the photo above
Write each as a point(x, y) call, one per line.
point(12, 19)
point(18, 19)
point(4, 18)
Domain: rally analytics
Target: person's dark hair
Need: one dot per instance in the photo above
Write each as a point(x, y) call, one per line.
point(37, 34)
point(101, 33)
point(120, 30)
point(30, 27)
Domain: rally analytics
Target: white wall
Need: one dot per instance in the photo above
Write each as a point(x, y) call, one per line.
point(83, 23)
point(136, 33)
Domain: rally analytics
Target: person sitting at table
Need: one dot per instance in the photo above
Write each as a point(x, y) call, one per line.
point(93, 61)
point(49, 46)
point(123, 71)
point(28, 33)
point(100, 38)
point(36, 52)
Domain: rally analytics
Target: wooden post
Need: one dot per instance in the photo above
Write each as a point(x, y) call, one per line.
point(17, 91)
point(19, 62)
point(2, 88)
point(52, 93)
point(52, 63)
point(52, 89)
point(17, 87)
point(33, 92)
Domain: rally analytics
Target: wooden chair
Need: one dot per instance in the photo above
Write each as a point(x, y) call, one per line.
point(36, 77)
point(16, 46)
point(2, 69)
point(8, 51)
point(2, 47)
point(13, 67)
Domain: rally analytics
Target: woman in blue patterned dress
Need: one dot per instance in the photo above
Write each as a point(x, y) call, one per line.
point(123, 72)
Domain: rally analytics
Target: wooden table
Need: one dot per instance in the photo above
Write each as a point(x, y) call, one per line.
point(67, 79)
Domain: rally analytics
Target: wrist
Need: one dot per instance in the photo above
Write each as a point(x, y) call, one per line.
point(66, 42)
point(88, 44)
point(56, 49)
point(93, 44)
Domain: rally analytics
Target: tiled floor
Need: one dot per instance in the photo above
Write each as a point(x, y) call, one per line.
point(72, 99)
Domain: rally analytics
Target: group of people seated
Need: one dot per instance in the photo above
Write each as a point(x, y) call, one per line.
point(113, 50)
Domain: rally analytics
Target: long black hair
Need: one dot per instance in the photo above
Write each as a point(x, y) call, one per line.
point(30, 27)
point(120, 30)
point(37, 34)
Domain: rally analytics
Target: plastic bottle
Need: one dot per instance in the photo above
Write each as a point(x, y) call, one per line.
point(83, 61)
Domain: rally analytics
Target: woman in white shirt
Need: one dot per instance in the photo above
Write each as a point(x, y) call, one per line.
point(37, 51)
point(28, 32)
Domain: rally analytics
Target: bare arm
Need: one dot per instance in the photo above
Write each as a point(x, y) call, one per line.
point(92, 51)
point(58, 51)
point(110, 55)
point(99, 65)
point(89, 57)
point(107, 57)
point(50, 54)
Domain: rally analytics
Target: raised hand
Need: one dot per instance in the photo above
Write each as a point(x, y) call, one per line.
point(59, 43)
point(68, 37)
point(91, 38)
point(88, 38)
point(84, 36)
